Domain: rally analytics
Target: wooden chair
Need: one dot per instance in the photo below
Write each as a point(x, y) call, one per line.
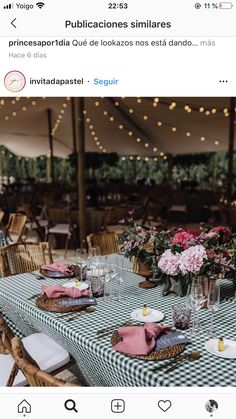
point(35, 223)
point(39, 349)
point(107, 241)
point(15, 228)
point(23, 257)
point(2, 213)
point(35, 376)
point(61, 224)
point(112, 217)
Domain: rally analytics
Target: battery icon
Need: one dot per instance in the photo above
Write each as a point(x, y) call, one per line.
point(225, 5)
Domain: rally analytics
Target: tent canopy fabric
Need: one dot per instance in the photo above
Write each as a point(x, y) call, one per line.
point(128, 126)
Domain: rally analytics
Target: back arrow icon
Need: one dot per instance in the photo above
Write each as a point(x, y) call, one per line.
point(12, 22)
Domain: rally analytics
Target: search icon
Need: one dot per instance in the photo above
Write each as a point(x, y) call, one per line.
point(70, 405)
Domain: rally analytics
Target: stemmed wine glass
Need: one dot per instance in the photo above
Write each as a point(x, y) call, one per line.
point(198, 297)
point(213, 302)
point(81, 261)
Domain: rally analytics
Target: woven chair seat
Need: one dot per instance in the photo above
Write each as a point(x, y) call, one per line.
point(48, 354)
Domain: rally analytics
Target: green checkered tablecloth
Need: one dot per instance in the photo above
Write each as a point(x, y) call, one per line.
point(14, 328)
point(97, 361)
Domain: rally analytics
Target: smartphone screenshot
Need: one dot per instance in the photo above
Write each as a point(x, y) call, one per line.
point(117, 209)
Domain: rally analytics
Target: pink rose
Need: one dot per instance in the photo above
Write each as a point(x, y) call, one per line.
point(184, 238)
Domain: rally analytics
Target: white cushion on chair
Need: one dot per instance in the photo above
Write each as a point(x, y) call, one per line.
point(60, 229)
point(44, 350)
point(33, 225)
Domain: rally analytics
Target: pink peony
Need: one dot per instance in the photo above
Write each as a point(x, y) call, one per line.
point(169, 263)
point(222, 229)
point(184, 238)
point(216, 232)
point(192, 259)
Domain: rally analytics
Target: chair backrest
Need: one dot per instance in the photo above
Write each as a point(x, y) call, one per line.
point(107, 241)
point(28, 211)
point(16, 226)
point(58, 215)
point(7, 334)
point(113, 215)
point(2, 213)
point(35, 376)
point(24, 257)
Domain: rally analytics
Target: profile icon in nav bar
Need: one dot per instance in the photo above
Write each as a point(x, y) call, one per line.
point(211, 406)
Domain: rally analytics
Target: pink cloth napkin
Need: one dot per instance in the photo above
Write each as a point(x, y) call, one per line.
point(139, 340)
point(58, 267)
point(56, 291)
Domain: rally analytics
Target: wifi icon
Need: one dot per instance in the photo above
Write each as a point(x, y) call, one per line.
point(40, 4)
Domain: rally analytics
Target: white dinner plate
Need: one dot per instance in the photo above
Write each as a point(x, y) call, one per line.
point(72, 284)
point(229, 352)
point(153, 316)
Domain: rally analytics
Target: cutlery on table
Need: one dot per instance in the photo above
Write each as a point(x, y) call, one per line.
point(112, 328)
point(71, 315)
point(37, 275)
point(192, 356)
point(169, 363)
point(33, 296)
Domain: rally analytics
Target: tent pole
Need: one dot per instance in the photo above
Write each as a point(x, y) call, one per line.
point(73, 124)
point(231, 148)
point(1, 163)
point(74, 139)
point(50, 139)
point(81, 167)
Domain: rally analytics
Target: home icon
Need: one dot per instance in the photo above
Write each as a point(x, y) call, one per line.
point(24, 407)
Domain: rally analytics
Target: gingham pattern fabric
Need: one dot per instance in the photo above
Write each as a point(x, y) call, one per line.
point(99, 364)
point(13, 327)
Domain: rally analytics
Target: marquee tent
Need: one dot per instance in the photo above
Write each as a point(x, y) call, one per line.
point(128, 126)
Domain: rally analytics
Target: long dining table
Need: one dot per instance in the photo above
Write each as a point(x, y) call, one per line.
point(98, 362)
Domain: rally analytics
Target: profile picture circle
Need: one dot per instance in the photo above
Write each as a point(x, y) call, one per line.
point(211, 406)
point(14, 81)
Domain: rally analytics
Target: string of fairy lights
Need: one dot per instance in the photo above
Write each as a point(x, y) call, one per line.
point(203, 110)
point(22, 105)
point(60, 116)
point(18, 108)
point(130, 133)
point(173, 128)
point(93, 133)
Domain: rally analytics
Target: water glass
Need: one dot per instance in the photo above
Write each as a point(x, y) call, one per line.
point(94, 251)
point(95, 254)
point(213, 302)
point(112, 284)
point(181, 315)
point(97, 286)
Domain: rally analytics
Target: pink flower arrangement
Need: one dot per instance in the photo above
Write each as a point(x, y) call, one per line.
point(224, 234)
point(169, 263)
point(184, 238)
point(192, 259)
